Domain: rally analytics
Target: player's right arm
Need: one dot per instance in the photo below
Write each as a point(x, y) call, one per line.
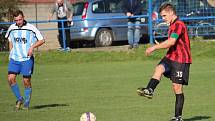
point(39, 40)
point(166, 44)
point(10, 45)
point(8, 37)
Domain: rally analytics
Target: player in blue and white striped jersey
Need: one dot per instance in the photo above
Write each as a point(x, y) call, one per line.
point(23, 38)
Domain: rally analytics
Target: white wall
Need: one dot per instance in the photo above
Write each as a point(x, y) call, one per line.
point(42, 14)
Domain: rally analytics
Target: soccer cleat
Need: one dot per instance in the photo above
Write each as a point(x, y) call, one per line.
point(18, 104)
point(179, 118)
point(26, 106)
point(145, 92)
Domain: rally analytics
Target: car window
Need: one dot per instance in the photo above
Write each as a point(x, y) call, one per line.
point(98, 7)
point(114, 6)
point(78, 8)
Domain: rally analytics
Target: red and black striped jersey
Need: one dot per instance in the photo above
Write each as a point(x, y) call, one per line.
point(180, 52)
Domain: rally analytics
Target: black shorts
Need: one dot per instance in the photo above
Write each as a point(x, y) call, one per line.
point(177, 72)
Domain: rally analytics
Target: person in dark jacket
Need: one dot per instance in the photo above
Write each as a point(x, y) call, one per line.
point(133, 8)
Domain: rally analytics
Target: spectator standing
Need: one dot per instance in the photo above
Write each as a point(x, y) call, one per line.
point(64, 11)
point(133, 8)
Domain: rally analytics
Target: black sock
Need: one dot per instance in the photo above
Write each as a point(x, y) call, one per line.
point(153, 84)
point(179, 104)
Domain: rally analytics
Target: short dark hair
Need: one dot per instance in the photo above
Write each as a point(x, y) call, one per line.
point(17, 13)
point(167, 6)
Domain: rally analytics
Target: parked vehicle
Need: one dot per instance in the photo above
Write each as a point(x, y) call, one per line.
point(102, 31)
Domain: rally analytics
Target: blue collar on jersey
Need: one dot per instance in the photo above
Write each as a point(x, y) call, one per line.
point(24, 23)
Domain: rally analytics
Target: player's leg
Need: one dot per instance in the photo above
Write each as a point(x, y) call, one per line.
point(179, 77)
point(15, 89)
point(13, 70)
point(27, 91)
point(26, 71)
point(152, 84)
point(14, 86)
point(178, 90)
point(163, 68)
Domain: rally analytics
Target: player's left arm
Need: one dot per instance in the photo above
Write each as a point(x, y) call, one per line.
point(39, 42)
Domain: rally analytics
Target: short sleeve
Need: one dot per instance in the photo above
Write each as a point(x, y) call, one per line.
point(8, 32)
point(178, 29)
point(37, 33)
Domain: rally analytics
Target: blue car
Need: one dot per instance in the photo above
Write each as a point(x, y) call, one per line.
point(91, 22)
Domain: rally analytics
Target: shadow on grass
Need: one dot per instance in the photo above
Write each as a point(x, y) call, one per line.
point(197, 118)
point(48, 106)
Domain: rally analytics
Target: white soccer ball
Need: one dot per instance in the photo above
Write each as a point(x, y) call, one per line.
point(88, 116)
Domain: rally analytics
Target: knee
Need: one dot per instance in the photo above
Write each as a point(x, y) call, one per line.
point(27, 83)
point(159, 69)
point(11, 80)
point(130, 29)
point(177, 88)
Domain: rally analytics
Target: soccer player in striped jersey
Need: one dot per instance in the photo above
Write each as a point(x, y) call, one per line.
point(175, 65)
point(23, 38)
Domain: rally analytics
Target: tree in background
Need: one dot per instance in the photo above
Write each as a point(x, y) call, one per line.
point(6, 9)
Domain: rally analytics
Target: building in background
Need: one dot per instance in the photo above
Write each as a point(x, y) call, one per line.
point(38, 10)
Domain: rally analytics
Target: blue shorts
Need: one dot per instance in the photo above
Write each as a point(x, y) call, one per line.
point(24, 67)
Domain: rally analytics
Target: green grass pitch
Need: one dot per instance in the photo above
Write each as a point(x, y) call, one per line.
point(62, 92)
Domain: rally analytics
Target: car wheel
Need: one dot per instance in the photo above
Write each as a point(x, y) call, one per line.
point(204, 29)
point(104, 37)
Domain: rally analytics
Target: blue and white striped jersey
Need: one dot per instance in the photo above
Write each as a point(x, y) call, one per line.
point(22, 39)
